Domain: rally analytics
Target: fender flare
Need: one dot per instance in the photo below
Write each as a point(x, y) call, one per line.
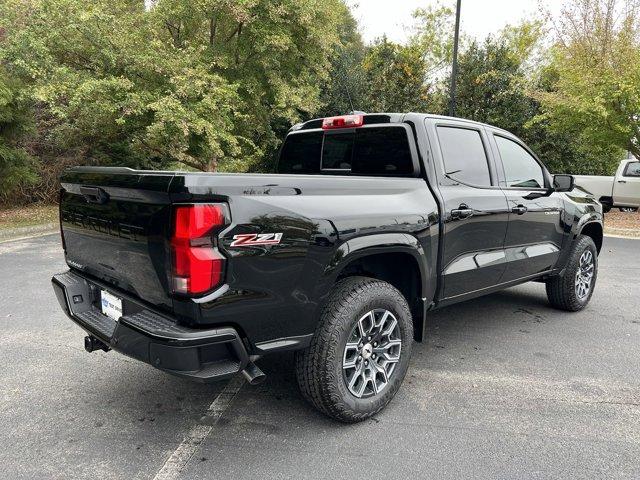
point(587, 220)
point(576, 230)
point(368, 245)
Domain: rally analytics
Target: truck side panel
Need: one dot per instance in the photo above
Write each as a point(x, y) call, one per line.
point(275, 291)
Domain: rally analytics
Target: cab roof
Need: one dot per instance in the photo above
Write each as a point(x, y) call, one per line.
point(378, 118)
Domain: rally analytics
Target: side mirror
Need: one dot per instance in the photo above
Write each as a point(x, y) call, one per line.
point(563, 183)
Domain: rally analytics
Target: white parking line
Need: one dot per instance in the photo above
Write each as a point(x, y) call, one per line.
point(181, 456)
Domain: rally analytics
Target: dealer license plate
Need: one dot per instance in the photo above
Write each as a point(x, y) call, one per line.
point(111, 305)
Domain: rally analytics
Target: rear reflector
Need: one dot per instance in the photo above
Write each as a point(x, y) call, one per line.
point(198, 266)
point(344, 121)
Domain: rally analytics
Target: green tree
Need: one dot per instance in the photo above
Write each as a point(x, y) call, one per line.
point(16, 165)
point(407, 77)
point(596, 64)
point(492, 86)
point(395, 77)
point(564, 147)
point(200, 82)
point(433, 35)
point(346, 86)
point(500, 82)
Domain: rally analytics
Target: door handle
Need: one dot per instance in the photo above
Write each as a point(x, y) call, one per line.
point(94, 195)
point(462, 212)
point(519, 210)
point(622, 181)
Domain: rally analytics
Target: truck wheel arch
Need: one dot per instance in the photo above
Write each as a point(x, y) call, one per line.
point(593, 230)
point(394, 258)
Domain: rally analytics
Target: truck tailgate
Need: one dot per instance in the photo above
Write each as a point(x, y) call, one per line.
point(114, 224)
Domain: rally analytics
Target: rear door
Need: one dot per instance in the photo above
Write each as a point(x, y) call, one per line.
point(475, 209)
point(536, 233)
point(627, 187)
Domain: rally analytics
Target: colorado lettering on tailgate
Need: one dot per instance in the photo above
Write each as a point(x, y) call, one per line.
point(105, 226)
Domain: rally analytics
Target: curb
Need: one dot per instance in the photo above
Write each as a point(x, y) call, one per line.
point(618, 235)
point(11, 234)
point(632, 233)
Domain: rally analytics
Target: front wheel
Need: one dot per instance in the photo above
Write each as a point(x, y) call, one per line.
point(573, 290)
point(360, 352)
point(629, 209)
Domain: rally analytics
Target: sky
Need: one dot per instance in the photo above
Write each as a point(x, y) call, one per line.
point(479, 18)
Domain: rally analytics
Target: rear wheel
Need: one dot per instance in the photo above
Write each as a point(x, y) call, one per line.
point(628, 209)
point(573, 290)
point(360, 352)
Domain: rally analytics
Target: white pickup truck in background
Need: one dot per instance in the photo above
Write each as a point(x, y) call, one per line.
point(621, 191)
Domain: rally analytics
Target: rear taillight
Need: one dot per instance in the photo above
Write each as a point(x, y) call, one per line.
point(198, 266)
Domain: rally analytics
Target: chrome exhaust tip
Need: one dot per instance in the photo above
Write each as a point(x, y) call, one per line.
point(253, 374)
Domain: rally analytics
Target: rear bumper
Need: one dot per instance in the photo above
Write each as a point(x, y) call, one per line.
point(201, 355)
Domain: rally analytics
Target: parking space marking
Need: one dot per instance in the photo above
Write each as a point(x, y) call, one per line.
point(199, 432)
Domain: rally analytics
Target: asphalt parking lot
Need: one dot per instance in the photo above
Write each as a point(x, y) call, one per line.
point(505, 387)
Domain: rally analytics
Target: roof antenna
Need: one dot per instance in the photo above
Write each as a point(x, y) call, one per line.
point(349, 97)
point(346, 89)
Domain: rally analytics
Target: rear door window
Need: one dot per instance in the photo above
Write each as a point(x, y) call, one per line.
point(362, 151)
point(465, 158)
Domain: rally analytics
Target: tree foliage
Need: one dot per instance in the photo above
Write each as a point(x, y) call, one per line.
point(195, 82)
point(406, 77)
point(346, 87)
point(215, 84)
point(492, 86)
point(395, 76)
point(501, 82)
point(433, 35)
point(596, 65)
point(16, 165)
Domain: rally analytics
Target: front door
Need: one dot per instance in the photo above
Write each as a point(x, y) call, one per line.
point(475, 212)
point(535, 233)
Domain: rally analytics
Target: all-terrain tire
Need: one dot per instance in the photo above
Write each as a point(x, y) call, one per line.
point(319, 368)
point(562, 290)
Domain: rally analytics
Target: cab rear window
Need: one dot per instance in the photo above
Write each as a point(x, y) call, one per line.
point(362, 151)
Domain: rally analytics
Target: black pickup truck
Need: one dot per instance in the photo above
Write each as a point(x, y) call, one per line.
point(370, 222)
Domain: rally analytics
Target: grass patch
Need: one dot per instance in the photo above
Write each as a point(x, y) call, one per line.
point(28, 216)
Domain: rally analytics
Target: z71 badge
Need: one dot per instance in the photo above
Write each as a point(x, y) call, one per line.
point(256, 239)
